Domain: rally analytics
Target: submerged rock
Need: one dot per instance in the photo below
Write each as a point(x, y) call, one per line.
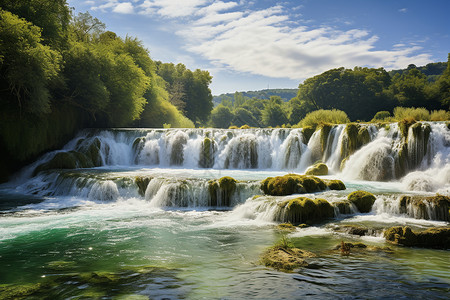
point(438, 237)
point(428, 208)
point(305, 210)
point(317, 169)
point(347, 248)
point(362, 200)
point(285, 259)
point(297, 184)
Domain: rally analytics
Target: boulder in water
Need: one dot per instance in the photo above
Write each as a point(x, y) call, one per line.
point(438, 237)
point(362, 200)
point(286, 258)
point(296, 184)
point(305, 210)
point(335, 184)
point(142, 183)
point(317, 169)
point(428, 208)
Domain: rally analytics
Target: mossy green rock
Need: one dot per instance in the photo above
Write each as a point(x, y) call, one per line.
point(207, 154)
point(305, 210)
point(335, 184)
point(285, 259)
point(438, 237)
point(428, 208)
point(307, 132)
point(343, 207)
point(295, 184)
point(317, 169)
point(221, 190)
point(142, 183)
point(22, 291)
point(362, 200)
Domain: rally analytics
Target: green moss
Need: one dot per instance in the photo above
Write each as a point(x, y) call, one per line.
point(434, 207)
point(431, 238)
point(142, 183)
point(285, 259)
point(286, 227)
point(404, 125)
point(93, 152)
point(100, 277)
point(305, 210)
point(324, 133)
point(294, 184)
point(401, 161)
point(362, 200)
point(317, 169)
point(221, 191)
point(363, 136)
point(21, 291)
point(207, 154)
point(335, 184)
point(307, 132)
point(343, 207)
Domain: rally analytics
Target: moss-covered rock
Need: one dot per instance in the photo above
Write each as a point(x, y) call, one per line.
point(292, 184)
point(362, 200)
point(334, 184)
point(142, 183)
point(346, 248)
point(428, 208)
point(305, 210)
point(22, 291)
point(285, 259)
point(431, 238)
point(221, 191)
point(317, 169)
point(324, 133)
point(285, 227)
point(344, 207)
point(307, 132)
point(93, 152)
point(404, 125)
point(207, 153)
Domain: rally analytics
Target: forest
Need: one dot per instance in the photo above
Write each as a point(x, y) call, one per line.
point(357, 94)
point(62, 72)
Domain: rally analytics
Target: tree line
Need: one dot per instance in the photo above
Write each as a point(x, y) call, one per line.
point(360, 93)
point(61, 72)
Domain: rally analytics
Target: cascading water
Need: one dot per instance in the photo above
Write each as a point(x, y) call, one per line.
point(179, 213)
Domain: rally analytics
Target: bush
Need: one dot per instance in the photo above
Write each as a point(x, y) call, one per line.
point(381, 116)
point(440, 115)
point(418, 114)
point(320, 116)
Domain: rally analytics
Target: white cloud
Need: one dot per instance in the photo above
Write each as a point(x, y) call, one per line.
point(403, 10)
point(124, 8)
point(269, 42)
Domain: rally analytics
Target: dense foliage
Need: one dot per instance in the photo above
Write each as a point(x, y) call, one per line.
point(60, 73)
point(340, 95)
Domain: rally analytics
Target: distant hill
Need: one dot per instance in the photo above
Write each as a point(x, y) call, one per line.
point(285, 94)
point(432, 70)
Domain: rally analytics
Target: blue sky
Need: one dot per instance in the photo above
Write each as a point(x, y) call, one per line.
point(253, 45)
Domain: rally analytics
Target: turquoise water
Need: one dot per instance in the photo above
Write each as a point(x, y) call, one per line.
point(77, 247)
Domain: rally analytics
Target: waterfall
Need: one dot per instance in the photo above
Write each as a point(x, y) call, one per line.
point(364, 152)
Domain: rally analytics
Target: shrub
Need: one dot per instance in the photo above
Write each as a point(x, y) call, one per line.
point(320, 116)
point(418, 114)
point(381, 116)
point(440, 115)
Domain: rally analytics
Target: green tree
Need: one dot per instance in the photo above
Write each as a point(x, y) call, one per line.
point(443, 87)
point(221, 117)
point(52, 16)
point(27, 67)
point(273, 114)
